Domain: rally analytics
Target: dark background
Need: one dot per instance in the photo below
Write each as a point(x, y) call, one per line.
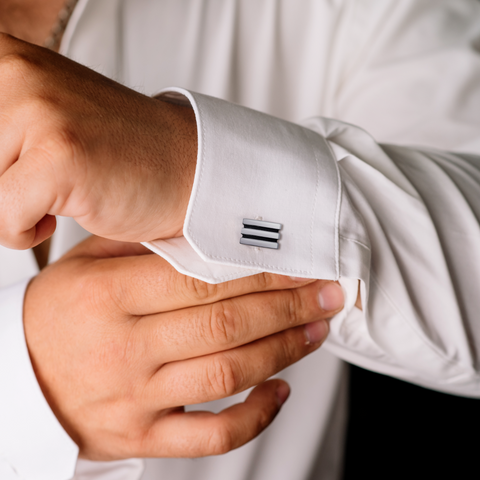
point(399, 430)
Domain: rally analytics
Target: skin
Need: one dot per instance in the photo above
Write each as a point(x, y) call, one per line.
point(119, 341)
point(31, 20)
point(77, 144)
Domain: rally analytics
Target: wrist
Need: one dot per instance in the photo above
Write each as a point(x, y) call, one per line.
point(180, 158)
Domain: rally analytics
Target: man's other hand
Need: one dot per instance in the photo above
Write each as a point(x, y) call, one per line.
point(120, 342)
point(77, 144)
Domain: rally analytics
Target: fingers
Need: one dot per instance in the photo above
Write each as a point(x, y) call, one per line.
point(28, 191)
point(28, 185)
point(44, 229)
point(151, 285)
point(226, 373)
point(198, 434)
point(11, 140)
point(224, 325)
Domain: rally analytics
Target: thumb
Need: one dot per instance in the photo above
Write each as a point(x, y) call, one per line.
point(28, 193)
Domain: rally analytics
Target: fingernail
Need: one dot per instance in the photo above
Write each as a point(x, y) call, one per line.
point(299, 279)
point(315, 332)
point(331, 297)
point(282, 393)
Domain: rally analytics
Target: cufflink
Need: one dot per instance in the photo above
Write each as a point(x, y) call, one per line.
point(258, 233)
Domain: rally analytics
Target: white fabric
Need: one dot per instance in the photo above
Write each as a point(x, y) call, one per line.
point(292, 178)
point(401, 220)
point(28, 427)
point(130, 469)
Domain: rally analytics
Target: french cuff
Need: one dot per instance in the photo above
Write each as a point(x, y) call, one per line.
point(254, 166)
point(33, 444)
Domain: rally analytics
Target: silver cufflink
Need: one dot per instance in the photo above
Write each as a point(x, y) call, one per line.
point(258, 233)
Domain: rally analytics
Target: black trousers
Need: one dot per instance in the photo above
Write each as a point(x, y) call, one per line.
point(399, 430)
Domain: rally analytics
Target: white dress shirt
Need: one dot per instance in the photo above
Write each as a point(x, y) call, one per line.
point(402, 221)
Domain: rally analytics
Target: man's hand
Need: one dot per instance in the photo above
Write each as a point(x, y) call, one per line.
point(120, 343)
point(77, 144)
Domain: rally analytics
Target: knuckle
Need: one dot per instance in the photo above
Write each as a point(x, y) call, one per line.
point(200, 291)
point(294, 306)
point(18, 70)
point(222, 328)
point(287, 351)
point(221, 440)
point(221, 378)
point(291, 349)
point(22, 73)
point(15, 64)
point(264, 281)
point(96, 287)
point(63, 144)
point(118, 291)
point(262, 420)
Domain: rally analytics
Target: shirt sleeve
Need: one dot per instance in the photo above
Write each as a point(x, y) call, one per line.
point(33, 445)
point(402, 221)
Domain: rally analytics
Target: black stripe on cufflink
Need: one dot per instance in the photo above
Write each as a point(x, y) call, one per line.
point(258, 233)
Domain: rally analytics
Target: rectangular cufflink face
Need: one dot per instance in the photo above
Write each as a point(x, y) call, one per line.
point(258, 233)
point(261, 224)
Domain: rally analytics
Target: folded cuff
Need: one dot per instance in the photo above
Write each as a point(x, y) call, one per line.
point(255, 166)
